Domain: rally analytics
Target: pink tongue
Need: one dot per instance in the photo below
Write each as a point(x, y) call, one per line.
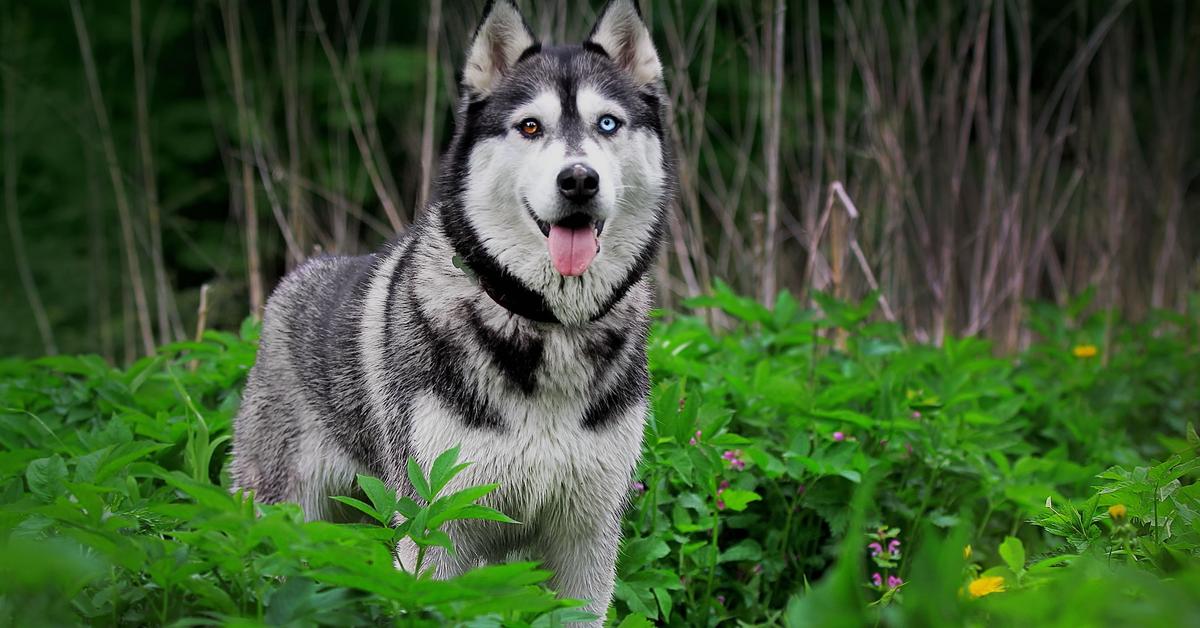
point(571, 250)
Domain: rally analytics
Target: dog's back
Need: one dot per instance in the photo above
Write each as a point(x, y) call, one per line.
point(307, 379)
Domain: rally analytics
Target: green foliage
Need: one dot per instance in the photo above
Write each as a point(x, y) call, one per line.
point(804, 410)
point(800, 468)
point(113, 498)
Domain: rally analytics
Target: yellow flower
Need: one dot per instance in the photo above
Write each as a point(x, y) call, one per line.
point(1117, 512)
point(1085, 351)
point(966, 552)
point(980, 587)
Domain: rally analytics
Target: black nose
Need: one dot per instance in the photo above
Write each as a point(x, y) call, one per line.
point(578, 183)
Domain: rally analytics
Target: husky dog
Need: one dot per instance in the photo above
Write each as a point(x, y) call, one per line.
point(510, 320)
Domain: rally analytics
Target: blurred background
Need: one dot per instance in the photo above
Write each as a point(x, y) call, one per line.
point(167, 162)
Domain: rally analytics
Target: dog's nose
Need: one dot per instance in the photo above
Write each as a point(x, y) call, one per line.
point(578, 183)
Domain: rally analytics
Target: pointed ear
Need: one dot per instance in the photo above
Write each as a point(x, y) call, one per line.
point(499, 41)
point(622, 33)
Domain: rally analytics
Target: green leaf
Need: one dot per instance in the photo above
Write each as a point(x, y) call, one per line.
point(1013, 553)
point(444, 469)
point(435, 538)
point(635, 621)
point(408, 507)
point(468, 495)
point(46, 477)
point(369, 511)
point(637, 553)
point(470, 511)
point(124, 455)
point(86, 466)
point(383, 498)
point(417, 478)
point(563, 617)
point(737, 500)
point(747, 549)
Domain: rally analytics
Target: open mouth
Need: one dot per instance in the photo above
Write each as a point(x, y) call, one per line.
point(573, 241)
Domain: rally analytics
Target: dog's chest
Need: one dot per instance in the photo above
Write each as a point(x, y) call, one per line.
point(523, 428)
point(547, 465)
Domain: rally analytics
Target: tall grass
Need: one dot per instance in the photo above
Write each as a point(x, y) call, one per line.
point(962, 158)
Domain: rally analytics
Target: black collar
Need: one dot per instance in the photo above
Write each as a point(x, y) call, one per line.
point(519, 303)
point(509, 293)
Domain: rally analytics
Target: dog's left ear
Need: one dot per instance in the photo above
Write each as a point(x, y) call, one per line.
point(501, 39)
point(623, 35)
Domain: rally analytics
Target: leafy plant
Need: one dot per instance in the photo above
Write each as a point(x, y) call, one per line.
point(792, 455)
point(420, 523)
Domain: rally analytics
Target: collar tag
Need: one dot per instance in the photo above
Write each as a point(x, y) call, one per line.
point(461, 264)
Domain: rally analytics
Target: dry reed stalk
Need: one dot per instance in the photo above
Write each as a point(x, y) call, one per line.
point(771, 147)
point(265, 176)
point(12, 212)
point(361, 141)
point(99, 292)
point(128, 320)
point(1175, 110)
point(286, 25)
point(201, 322)
point(164, 296)
point(366, 94)
point(129, 243)
point(688, 115)
point(973, 187)
point(432, 32)
point(231, 11)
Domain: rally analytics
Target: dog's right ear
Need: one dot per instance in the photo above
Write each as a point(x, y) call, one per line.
point(501, 39)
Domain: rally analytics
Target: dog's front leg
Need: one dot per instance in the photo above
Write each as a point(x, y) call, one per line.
point(584, 565)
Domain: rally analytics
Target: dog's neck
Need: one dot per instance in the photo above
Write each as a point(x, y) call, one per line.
point(520, 302)
point(464, 249)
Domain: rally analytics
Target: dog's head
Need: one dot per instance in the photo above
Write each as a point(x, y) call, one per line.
point(556, 184)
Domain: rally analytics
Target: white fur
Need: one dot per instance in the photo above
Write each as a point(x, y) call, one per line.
point(502, 38)
point(624, 36)
point(328, 472)
point(592, 105)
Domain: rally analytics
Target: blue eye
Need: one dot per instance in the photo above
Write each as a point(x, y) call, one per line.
point(608, 124)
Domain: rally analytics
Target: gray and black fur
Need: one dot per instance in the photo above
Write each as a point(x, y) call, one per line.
point(540, 377)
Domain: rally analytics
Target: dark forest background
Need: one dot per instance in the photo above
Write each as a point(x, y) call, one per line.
point(165, 163)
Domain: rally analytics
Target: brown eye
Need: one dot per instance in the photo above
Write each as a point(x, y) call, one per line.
point(530, 127)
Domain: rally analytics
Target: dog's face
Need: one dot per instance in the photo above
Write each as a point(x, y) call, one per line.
point(559, 174)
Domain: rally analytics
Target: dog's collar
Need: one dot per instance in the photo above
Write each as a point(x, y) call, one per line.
point(518, 302)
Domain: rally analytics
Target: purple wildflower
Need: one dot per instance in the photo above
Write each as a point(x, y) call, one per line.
point(638, 487)
point(916, 414)
point(876, 549)
point(894, 547)
point(877, 579)
point(894, 581)
point(721, 600)
point(839, 436)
